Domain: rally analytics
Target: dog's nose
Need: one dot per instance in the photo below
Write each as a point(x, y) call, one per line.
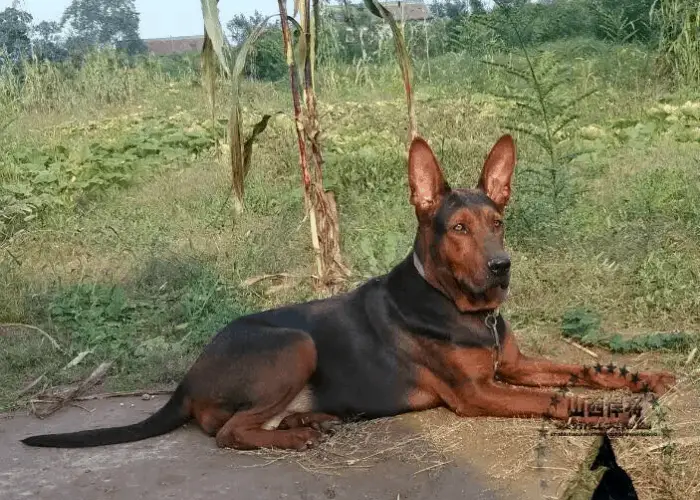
point(500, 266)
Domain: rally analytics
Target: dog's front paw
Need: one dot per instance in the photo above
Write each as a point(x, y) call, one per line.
point(657, 382)
point(660, 382)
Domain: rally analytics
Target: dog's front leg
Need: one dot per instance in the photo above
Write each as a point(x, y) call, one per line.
point(469, 390)
point(519, 369)
point(489, 398)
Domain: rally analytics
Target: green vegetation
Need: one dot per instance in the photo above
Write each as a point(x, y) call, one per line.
point(104, 203)
point(583, 326)
point(76, 169)
point(679, 39)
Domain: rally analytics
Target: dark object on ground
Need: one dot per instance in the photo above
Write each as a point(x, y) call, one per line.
point(615, 484)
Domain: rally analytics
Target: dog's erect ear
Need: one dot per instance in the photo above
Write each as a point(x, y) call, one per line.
point(498, 171)
point(425, 177)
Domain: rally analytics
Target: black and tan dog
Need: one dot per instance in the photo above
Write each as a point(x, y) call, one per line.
point(427, 334)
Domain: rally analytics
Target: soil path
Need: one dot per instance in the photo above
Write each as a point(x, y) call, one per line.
point(187, 465)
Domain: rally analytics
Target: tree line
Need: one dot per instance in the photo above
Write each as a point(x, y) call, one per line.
point(349, 33)
point(83, 25)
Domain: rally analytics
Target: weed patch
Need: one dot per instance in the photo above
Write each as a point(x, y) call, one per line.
point(151, 327)
point(583, 326)
point(61, 175)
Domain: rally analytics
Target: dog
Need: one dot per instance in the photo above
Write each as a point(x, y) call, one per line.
point(427, 334)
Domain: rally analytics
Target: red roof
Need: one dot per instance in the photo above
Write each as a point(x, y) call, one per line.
point(412, 11)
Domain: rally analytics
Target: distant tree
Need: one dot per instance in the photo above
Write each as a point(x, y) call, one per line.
point(477, 7)
point(47, 44)
point(457, 9)
point(516, 4)
point(619, 20)
point(15, 30)
point(266, 59)
point(241, 26)
point(100, 23)
point(451, 9)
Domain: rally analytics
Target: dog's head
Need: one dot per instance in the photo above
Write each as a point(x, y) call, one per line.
point(460, 233)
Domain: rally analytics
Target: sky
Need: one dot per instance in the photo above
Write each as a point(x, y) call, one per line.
point(159, 18)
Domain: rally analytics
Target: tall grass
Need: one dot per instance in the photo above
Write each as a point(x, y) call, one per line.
point(104, 77)
point(679, 38)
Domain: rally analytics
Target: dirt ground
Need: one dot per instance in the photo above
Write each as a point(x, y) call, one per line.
point(388, 459)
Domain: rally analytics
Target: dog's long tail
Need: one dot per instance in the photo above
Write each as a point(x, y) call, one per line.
point(171, 416)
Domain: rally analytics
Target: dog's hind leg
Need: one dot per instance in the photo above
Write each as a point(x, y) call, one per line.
point(319, 421)
point(276, 386)
point(244, 431)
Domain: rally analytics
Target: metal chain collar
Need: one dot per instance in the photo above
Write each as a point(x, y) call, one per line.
point(491, 322)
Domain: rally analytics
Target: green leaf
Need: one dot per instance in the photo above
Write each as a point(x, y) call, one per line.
point(585, 481)
point(577, 100)
point(566, 121)
point(404, 59)
point(45, 177)
point(374, 8)
point(617, 344)
point(537, 112)
point(507, 69)
point(236, 148)
point(258, 129)
point(580, 323)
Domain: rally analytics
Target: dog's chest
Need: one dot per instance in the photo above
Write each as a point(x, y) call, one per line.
point(474, 332)
point(476, 336)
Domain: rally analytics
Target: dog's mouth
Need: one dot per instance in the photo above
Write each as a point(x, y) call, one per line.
point(503, 283)
point(497, 283)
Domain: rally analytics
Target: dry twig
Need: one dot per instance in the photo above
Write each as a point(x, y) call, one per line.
point(56, 345)
point(579, 346)
point(97, 375)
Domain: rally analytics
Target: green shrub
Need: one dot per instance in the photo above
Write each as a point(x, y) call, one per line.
point(266, 60)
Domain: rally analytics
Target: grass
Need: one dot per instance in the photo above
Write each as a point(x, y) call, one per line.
point(142, 270)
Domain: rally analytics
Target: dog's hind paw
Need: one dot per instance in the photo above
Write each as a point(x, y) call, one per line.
point(329, 427)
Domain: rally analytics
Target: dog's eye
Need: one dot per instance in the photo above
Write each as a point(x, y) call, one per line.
point(460, 228)
point(498, 223)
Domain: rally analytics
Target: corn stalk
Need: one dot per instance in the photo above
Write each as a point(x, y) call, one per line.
point(216, 48)
point(319, 204)
point(212, 53)
point(404, 60)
